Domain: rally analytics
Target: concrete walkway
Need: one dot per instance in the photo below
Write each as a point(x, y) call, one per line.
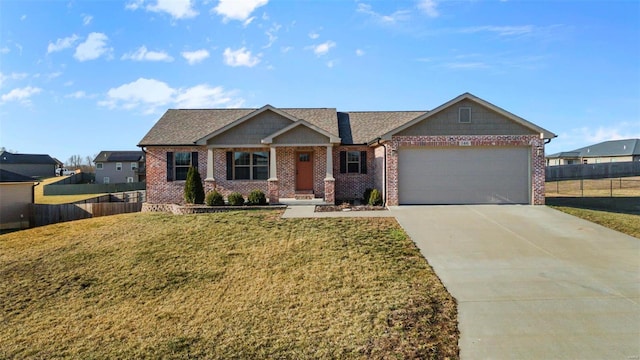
point(531, 282)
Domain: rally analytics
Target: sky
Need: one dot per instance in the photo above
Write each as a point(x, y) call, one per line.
point(79, 77)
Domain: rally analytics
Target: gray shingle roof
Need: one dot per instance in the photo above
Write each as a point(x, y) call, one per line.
point(9, 176)
point(626, 147)
point(185, 127)
point(116, 156)
point(359, 127)
point(10, 158)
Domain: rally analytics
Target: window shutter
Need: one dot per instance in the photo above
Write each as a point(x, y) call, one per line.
point(194, 159)
point(229, 165)
point(169, 166)
point(363, 162)
point(343, 162)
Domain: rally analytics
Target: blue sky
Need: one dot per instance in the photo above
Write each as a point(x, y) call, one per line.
point(78, 77)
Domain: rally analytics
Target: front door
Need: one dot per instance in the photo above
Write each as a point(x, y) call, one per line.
point(304, 171)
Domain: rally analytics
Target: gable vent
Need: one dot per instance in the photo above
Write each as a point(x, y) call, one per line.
point(464, 115)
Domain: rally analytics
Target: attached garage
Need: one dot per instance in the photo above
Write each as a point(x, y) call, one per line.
point(464, 175)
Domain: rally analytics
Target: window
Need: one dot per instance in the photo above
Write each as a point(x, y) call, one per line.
point(134, 166)
point(243, 165)
point(353, 162)
point(178, 164)
point(118, 166)
point(182, 164)
point(105, 180)
point(129, 179)
point(98, 166)
point(464, 115)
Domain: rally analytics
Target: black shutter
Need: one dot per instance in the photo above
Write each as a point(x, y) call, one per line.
point(194, 159)
point(363, 162)
point(343, 162)
point(229, 165)
point(169, 166)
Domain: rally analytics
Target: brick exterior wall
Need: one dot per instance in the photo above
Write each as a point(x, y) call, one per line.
point(533, 141)
point(352, 186)
point(161, 191)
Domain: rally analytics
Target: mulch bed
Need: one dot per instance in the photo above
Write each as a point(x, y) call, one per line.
point(347, 207)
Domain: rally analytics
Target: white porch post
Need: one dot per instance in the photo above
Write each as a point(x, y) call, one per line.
point(209, 165)
point(273, 175)
point(329, 175)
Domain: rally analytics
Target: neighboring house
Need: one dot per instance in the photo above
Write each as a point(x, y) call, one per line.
point(31, 165)
point(113, 167)
point(604, 152)
point(16, 195)
point(466, 151)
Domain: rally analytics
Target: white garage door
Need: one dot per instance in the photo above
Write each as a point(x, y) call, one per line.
point(464, 176)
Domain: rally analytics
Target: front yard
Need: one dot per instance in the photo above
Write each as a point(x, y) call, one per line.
point(227, 285)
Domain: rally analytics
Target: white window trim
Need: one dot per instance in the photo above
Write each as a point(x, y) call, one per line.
point(105, 180)
point(354, 162)
point(134, 166)
point(99, 166)
point(460, 111)
point(118, 166)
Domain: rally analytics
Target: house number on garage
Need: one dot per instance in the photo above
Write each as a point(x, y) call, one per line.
point(464, 143)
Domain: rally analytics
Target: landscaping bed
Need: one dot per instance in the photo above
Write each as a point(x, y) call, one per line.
point(348, 207)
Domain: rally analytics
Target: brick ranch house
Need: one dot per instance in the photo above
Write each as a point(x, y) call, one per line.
point(465, 151)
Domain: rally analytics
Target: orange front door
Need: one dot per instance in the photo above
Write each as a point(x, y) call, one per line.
point(304, 171)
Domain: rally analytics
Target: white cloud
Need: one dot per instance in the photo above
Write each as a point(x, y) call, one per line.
point(21, 94)
point(271, 34)
point(238, 9)
point(5, 50)
point(179, 9)
point(313, 35)
point(500, 30)
point(150, 94)
point(429, 7)
point(240, 57)
point(12, 76)
point(466, 65)
point(134, 4)
point(331, 63)
point(62, 44)
point(323, 49)
point(142, 54)
point(395, 17)
point(194, 57)
point(23, 17)
point(204, 96)
point(623, 130)
point(86, 19)
point(54, 75)
point(359, 52)
point(94, 47)
point(286, 49)
point(79, 95)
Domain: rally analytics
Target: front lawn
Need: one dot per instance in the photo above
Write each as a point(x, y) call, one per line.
point(228, 285)
point(624, 223)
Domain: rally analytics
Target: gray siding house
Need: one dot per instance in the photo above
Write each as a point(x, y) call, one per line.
point(114, 167)
point(31, 165)
point(600, 153)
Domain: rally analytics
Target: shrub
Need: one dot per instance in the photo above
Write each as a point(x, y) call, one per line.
point(257, 197)
point(193, 190)
point(366, 195)
point(214, 198)
point(375, 198)
point(235, 199)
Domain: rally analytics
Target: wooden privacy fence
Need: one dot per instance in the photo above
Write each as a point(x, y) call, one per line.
point(42, 214)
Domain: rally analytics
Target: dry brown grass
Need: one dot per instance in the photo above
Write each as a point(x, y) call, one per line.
point(625, 223)
point(618, 187)
point(232, 285)
point(40, 198)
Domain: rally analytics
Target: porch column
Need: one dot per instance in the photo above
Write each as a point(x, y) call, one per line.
point(273, 187)
point(329, 181)
point(209, 181)
point(329, 162)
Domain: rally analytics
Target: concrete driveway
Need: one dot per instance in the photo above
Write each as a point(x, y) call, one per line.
point(532, 282)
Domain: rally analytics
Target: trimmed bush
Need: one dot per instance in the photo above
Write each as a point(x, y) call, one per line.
point(366, 195)
point(375, 198)
point(257, 197)
point(214, 198)
point(235, 199)
point(193, 190)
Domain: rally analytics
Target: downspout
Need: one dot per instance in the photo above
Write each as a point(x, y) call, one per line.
point(384, 178)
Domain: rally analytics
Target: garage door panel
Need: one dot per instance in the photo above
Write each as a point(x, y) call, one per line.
point(464, 176)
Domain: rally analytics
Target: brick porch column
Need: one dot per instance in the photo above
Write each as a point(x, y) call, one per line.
point(273, 187)
point(209, 181)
